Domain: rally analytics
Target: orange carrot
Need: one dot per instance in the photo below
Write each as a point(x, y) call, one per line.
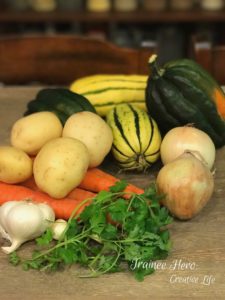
point(97, 180)
point(30, 183)
point(63, 208)
point(76, 193)
point(80, 194)
point(94, 181)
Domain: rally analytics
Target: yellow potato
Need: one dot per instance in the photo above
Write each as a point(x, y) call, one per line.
point(60, 166)
point(93, 131)
point(15, 165)
point(30, 133)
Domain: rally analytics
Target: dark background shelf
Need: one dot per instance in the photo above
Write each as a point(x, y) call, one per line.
point(196, 16)
point(171, 31)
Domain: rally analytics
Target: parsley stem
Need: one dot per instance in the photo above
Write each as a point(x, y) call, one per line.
point(114, 262)
point(96, 258)
point(102, 247)
point(96, 273)
point(76, 238)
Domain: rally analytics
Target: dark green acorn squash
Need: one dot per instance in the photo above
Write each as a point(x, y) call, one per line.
point(182, 93)
point(61, 101)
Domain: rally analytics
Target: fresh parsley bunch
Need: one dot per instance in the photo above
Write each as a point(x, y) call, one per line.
point(109, 235)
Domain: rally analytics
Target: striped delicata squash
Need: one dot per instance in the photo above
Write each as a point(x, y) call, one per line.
point(105, 91)
point(136, 137)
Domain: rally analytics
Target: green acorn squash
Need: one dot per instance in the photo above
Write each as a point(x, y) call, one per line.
point(182, 93)
point(61, 101)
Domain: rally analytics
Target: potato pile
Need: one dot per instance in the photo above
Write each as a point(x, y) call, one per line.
point(58, 157)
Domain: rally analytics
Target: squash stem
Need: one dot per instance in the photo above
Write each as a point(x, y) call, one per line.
point(155, 71)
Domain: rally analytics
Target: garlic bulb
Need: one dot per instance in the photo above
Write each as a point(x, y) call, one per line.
point(58, 228)
point(21, 221)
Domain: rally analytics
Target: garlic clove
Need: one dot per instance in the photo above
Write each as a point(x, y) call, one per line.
point(15, 245)
point(48, 215)
point(4, 210)
point(58, 228)
point(24, 221)
point(4, 234)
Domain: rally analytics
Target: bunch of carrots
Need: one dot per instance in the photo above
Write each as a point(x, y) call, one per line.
point(94, 181)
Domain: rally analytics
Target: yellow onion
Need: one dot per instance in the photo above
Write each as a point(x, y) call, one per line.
point(187, 184)
point(187, 138)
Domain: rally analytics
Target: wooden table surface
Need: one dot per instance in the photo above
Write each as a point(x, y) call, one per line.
point(195, 269)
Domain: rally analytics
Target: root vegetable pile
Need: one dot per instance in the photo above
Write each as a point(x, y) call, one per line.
point(94, 219)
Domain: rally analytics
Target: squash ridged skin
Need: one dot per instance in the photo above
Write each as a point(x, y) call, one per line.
point(38, 106)
point(201, 100)
point(105, 91)
point(204, 79)
point(59, 96)
point(136, 137)
point(191, 67)
point(157, 109)
point(60, 101)
point(175, 103)
point(183, 99)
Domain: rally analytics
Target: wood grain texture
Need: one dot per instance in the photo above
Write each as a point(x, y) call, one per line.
point(210, 56)
point(198, 244)
point(61, 59)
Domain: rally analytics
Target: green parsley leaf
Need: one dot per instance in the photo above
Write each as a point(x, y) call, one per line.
point(132, 251)
point(110, 232)
point(103, 197)
point(119, 186)
point(68, 255)
point(140, 273)
point(45, 239)
point(14, 259)
point(98, 221)
point(73, 229)
point(118, 210)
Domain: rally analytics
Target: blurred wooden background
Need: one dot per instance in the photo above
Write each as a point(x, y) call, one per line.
point(167, 24)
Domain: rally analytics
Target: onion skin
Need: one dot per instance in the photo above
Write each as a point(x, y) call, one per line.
point(187, 138)
point(187, 185)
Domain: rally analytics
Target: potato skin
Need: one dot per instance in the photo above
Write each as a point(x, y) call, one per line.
point(93, 131)
point(31, 132)
point(15, 165)
point(60, 166)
